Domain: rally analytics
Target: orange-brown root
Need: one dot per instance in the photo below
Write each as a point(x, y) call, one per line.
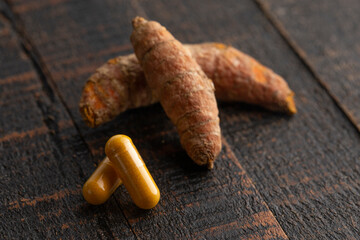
point(184, 91)
point(236, 76)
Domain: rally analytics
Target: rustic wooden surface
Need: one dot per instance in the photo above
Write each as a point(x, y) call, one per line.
point(330, 48)
point(278, 177)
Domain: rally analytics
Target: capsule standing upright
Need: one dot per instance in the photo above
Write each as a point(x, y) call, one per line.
point(132, 171)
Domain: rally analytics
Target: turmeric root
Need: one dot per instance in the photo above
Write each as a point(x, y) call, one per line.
point(120, 83)
point(185, 93)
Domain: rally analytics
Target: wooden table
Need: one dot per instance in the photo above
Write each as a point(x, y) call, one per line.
point(277, 177)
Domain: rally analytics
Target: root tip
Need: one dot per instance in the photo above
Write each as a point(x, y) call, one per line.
point(210, 165)
point(291, 107)
point(204, 158)
point(137, 21)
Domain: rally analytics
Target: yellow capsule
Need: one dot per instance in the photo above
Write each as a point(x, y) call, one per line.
point(102, 183)
point(132, 171)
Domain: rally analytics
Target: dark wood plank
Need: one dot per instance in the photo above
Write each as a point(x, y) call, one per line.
point(309, 182)
point(72, 39)
point(305, 167)
point(44, 162)
point(326, 35)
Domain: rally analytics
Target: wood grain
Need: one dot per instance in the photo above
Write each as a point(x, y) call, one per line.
point(326, 35)
point(44, 161)
point(69, 40)
point(305, 167)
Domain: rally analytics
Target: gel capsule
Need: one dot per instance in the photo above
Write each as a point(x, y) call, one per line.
point(102, 183)
point(132, 171)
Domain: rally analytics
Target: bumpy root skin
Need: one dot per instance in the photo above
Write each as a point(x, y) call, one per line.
point(239, 77)
point(236, 76)
point(116, 86)
point(182, 87)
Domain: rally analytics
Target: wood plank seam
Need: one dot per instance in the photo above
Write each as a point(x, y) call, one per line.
point(47, 87)
point(232, 156)
point(118, 203)
point(48, 84)
point(127, 220)
point(236, 161)
point(302, 56)
point(141, 11)
point(29, 50)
